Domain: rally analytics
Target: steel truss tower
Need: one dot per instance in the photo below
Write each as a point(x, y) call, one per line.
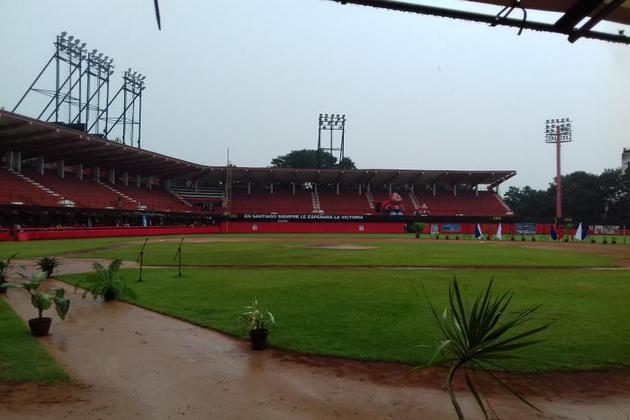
point(82, 82)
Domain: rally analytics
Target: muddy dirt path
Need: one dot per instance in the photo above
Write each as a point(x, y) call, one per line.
point(127, 362)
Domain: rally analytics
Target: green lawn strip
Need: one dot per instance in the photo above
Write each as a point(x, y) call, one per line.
point(22, 357)
point(31, 249)
point(411, 253)
point(380, 314)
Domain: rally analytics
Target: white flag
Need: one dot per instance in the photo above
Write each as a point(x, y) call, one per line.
point(578, 233)
point(478, 232)
point(499, 233)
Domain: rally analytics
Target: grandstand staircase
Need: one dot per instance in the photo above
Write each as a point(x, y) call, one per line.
point(317, 207)
point(61, 200)
point(181, 193)
point(414, 200)
point(125, 196)
point(507, 208)
point(180, 198)
point(370, 199)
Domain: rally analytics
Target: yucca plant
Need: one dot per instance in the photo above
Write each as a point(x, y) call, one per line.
point(4, 268)
point(106, 282)
point(48, 264)
point(477, 338)
point(259, 321)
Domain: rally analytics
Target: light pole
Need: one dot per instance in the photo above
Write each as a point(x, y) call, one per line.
point(558, 131)
point(331, 122)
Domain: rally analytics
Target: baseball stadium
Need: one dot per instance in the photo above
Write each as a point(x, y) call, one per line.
point(165, 287)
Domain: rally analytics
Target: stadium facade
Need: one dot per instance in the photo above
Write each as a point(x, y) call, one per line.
point(53, 175)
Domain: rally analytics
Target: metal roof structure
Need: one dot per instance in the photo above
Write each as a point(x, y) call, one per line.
point(358, 176)
point(577, 20)
point(33, 139)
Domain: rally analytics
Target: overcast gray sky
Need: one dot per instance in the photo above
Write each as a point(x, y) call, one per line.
point(419, 92)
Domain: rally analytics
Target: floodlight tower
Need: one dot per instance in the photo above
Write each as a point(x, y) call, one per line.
point(70, 50)
point(132, 88)
point(558, 131)
point(332, 123)
point(98, 69)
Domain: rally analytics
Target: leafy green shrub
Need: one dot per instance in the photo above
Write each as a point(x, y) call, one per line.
point(48, 264)
point(477, 338)
point(42, 301)
point(4, 268)
point(106, 283)
point(256, 318)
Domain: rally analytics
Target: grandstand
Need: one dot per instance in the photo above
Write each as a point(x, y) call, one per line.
point(50, 169)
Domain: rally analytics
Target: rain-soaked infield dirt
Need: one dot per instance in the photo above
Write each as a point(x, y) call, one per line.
point(127, 362)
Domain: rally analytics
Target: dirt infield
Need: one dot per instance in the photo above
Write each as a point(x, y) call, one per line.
point(127, 362)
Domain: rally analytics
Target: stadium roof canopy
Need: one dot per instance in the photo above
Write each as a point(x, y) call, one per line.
point(577, 17)
point(358, 176)
point(33, 139)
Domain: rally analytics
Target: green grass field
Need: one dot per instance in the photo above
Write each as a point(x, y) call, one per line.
point(380, 314)
point(369, 313)
point(22, 357)
point(409, 253)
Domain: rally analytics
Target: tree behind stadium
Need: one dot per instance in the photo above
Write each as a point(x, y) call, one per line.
point(309, 159)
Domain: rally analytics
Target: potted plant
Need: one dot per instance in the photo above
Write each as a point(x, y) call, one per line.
point(106, 283)
point(48, 264)
point(258, 322)
point(42, 301)
point(4, 268)
point(419, 229)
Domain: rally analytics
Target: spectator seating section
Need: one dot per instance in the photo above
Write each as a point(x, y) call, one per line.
point(487, 203)
point(155, 199)
point(262, 201)
point(85, 193)
point(22, 190)
point(15, 190)
point(346, 203)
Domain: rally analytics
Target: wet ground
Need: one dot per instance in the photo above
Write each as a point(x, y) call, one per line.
point(127, 362)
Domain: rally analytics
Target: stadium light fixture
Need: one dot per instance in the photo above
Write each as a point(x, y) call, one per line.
point(558, 131)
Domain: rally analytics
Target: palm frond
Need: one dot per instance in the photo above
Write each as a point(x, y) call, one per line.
point(476, 336)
